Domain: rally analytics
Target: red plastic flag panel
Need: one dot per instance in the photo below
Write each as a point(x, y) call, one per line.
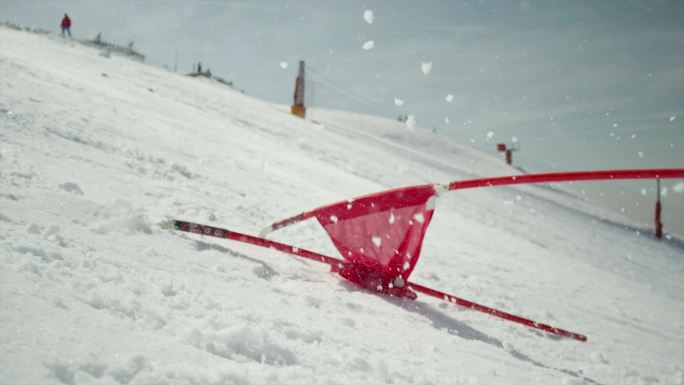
point(381, 235)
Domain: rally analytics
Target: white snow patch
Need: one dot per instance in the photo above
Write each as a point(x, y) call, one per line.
point(598, 358)
point(52, 230)
point(33, 228)
point(572, 381)
point(242, 344)
point(399, 281)
point(507, 346)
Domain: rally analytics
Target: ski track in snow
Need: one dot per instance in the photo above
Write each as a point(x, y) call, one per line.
point(96, 151)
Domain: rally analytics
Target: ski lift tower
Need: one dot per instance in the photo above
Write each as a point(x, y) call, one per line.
point(503, 147)
point(298, 108)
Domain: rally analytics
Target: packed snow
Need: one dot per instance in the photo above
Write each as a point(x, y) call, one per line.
point(95, 151)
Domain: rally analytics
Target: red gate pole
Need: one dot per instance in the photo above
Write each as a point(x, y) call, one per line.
point(658, 209)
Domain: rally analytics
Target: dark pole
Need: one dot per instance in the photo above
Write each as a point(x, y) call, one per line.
point(658, 209)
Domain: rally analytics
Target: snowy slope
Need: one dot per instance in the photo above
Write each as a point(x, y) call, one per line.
point(96, 151)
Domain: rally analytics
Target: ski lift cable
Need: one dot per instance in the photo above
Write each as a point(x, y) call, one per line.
point(335, 85)
point(345, 95)
point(350, 95)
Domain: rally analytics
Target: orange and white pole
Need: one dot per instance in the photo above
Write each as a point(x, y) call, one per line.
point(298, 108)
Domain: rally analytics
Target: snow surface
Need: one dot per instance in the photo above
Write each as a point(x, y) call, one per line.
point(96, 151)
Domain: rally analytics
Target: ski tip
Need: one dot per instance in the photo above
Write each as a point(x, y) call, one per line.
point(169, 224)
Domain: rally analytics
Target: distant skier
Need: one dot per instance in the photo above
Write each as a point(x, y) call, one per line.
point(66, 25)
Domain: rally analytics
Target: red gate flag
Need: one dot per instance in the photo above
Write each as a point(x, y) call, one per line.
point(380, 235)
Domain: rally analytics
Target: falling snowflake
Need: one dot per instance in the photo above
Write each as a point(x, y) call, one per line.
point(641, 155)
point(426, 67)
point(446, 120)
point(283, 65)
point(398, 102)
point(369, 45)
point(449, 98)
point(672, 118)
point(490, 135)
point(377, 241)
point(678, 188)
point(368, 16)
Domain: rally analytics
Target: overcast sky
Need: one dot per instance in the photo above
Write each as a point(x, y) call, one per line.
point(590, 84)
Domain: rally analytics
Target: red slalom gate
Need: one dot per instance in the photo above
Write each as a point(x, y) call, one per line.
point(380, 235)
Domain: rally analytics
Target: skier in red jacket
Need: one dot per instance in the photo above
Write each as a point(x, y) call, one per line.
point(66, 25)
